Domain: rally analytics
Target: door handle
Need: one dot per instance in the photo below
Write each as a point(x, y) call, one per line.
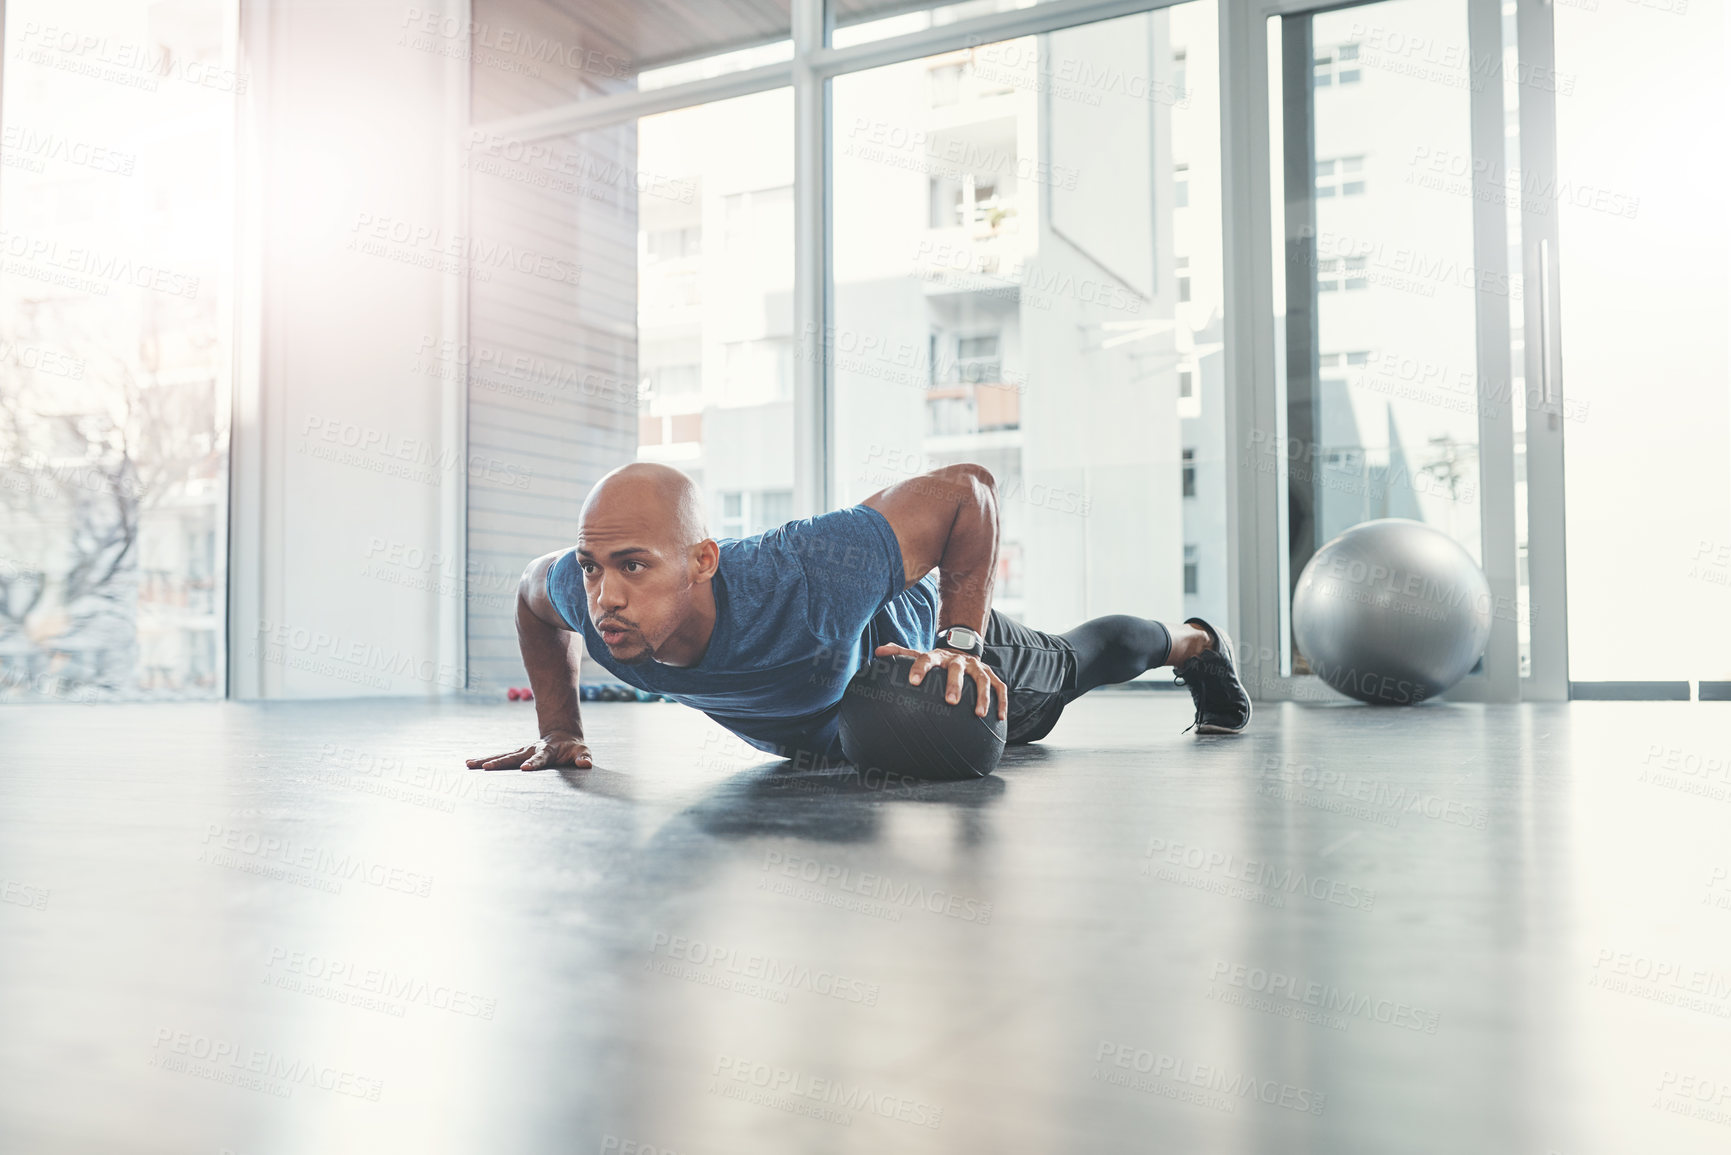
point(1546, 367)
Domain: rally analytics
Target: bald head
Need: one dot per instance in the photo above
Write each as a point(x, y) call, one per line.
point(656, 501)
point(647, 563)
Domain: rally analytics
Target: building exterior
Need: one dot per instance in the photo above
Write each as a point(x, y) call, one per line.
point(1000, 297)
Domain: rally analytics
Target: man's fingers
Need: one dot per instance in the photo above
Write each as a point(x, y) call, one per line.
point(983, 681)
point(503, 761)
point(891, 650)
point(1003, 696)
point(571, 754)
point(953, 691)
point(536, 757)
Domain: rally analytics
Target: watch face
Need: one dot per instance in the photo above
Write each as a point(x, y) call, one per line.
point(961, 637)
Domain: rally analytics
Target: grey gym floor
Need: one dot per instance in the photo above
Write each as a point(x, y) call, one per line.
point(306, 928)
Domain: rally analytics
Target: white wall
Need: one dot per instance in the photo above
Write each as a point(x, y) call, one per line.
point(348, 467)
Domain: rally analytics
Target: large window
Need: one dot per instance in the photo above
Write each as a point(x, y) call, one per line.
point(1024, 271)
point(1014, 286)
point(1386, 269)
point(715, 340)
point(116, 230)
point(1643, 302)
point(674, 344)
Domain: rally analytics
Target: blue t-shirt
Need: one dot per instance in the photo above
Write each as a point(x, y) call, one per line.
point(798, 611)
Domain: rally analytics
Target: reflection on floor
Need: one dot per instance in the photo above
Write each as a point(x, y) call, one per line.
point(305, 927)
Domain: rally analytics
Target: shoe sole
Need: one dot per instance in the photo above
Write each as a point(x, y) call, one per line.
point(1211, 728)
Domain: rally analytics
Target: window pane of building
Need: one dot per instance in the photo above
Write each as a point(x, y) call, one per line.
point(1646, 412)
point(675, 344)
point(1376, 297)
point(723, 313)
point(1037, 312)
point(115, 305)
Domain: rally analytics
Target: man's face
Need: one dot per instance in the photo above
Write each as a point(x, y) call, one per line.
point(640, 583)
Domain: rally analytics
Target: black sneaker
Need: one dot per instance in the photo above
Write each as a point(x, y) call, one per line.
point(1222, 706)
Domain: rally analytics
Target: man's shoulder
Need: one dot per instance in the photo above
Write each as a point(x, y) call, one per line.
point(849, 541)
point(560, 586)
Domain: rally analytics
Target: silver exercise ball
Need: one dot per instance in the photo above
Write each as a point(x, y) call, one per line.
point(1392, 612)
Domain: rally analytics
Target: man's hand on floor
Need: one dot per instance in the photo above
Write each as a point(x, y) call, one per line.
point(553, 750)
point(953, 664)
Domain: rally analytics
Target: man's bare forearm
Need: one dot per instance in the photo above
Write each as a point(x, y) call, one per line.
point(968, 568)
point(552, 654)
point(948, 520)
point(553, 658)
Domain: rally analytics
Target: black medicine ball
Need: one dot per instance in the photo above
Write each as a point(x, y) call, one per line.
point(888, 724)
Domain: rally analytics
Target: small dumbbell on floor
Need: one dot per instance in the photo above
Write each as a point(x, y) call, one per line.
point(617, 692)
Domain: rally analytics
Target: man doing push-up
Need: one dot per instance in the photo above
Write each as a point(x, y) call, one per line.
point(763, 634)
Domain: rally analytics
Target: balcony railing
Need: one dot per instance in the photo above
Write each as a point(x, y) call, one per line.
point(961, 409)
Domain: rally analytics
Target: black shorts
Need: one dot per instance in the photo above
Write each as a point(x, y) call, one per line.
point(1040, 670)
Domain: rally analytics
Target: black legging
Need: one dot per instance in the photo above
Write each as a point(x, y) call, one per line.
point(1116, 648)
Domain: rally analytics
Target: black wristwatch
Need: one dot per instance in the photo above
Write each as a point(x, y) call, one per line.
point(963, 640)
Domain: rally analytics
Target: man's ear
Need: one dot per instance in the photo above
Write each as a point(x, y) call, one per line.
point(705, 560)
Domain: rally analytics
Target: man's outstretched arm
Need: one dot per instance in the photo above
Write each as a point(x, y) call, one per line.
point(948, 520)
point(553, 655)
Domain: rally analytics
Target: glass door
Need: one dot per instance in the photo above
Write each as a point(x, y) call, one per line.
point(1640, 304)
point(1378, 295)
